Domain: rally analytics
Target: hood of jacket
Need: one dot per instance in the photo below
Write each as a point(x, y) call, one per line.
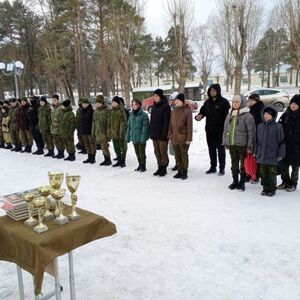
point(216, 87)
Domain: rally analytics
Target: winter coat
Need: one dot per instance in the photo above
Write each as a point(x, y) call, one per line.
point(23, 117)
point(33, 113)
point(86, 120)
point(138, 127)
point(215, 111)
point(44, 117)
point(56, 115)
point(68, 122)
point(256, 112)
point(101, 126)
point(118, 123)
point(270, 147)
point(239, 129)
point(13, 117)
point(291, 126)
point(78, 117)
point(160, 120)
point(181, 125)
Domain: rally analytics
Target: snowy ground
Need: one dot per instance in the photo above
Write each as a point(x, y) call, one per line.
point(176, 240)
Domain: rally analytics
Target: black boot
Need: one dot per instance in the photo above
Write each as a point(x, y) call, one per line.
point(8, 146)
point(175, 168)
point(184, 175)
point(83, 151)
point(241, 185)
point(116, 158)
point(18, 148)
point(118, 163)
point(39, 151)
point(28, 149)
point(122, 163)
point(163, 171)
point(211, 170)
point(156, 173)
point(178, 174)
point(106, 162)
point(138, 168)
point(93, 160)
point(71, 157)
point(2, 145)
point(60, 154)
point(50, 153)
point(143, 167)
point(87, 161)
point(235, 182)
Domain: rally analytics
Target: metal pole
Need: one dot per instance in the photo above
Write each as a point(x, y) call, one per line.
point(71, 276)
point(16, 81)
point(57, 283)
point(20, 283)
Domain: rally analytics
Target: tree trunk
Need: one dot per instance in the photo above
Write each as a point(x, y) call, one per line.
point(238, 77)
point(297, 77)
point(291, 76)
point(269, 78)
point(249, 78)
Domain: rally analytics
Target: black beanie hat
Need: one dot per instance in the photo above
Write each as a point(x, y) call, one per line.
point(296, 99)
point(13, 99)
point(180, 97)
point(254, 97)
point(272, 111)
point(116, 99)
point(44, 99)
point(159, 92)
point(66, 103)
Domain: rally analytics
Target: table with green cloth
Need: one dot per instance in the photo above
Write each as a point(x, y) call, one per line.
point(32, 252)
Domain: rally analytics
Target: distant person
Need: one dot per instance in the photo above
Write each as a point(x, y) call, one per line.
point(290, 121)
point(14, 132)
point(215, 110)
point(5, 128)
point(159, 127)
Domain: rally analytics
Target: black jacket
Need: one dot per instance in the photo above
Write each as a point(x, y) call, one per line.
point(256, 112)
point(291, 126)
point(215, 111)
point(33, 112)
point(86, 120)
point(160, 119)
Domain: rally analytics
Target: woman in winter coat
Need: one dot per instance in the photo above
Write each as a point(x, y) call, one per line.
point(5, 127)
point(239, 138)
point(138, 133)
point(181, 135)
point(290, 121)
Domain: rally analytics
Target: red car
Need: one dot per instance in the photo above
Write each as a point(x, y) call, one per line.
point(149, 102)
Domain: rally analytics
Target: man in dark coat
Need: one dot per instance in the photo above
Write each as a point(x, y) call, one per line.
point(290, 121)
point(159, 128)
point(215, 109)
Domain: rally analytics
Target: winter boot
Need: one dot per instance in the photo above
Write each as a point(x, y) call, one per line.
point(163, 171)
point(175, 168)
point(178, 175)
point(211, 170)
point(8, 146)
point(241, 185)
point(122, 163)
point(60, 154)
point(143, 167)
point(28, 149)
point(18, 148)
point(156, 173)
point(88, 160)
point(138, 168)
point(83, 151)
point(39, 151)
point(116, 158)
point(118, 163)
point(235, 182)
point(184, 175)
point(2, 145)
point(50, 153)
point(221, 172)
point(93, 160)
point(108, 161)
point(71, 157)
point(282, 186)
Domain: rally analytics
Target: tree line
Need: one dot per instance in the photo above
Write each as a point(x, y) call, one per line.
point(92, 46)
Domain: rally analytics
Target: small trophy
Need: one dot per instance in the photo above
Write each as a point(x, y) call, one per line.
point(31, 220)
point(45, 192)
point(55, 180)
point(72, 184)
point(58, 194)
point(39, 203)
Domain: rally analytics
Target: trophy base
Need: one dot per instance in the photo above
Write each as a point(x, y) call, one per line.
point(74, 217)
point(48, 217)
point(40, 229)
point(61, 220)
point(30, 222)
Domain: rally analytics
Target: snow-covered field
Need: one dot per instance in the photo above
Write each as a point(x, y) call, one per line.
point(176, 240)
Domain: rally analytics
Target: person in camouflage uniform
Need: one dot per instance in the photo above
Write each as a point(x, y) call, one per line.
point(45, 125)
point(2, 145)
point(118, 127)
point(101, 129)
point(67, 128)
point(56, 115)
point(85, 130)
point(5, 127)
point(14, 133)
point(23, 125)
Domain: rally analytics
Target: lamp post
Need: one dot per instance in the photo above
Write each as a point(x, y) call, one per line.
point(14, 68)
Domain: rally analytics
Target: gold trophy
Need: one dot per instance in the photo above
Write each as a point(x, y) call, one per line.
point(55, 180)
point(31, 220)
point(58, 194)
point(39, 203)
point(72, 184)
point(45, 192)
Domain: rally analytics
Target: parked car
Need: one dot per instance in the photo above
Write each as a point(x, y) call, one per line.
point(277, 97)
point(149, 102)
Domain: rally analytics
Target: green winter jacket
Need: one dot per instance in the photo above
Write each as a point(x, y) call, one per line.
point(13, 117)
point(100, 126)
point(44, 117)
point(118, 123)
point(56, 115)
point(138, 128)
point(68, 122)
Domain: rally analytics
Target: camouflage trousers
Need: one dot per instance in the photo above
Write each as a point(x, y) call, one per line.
point(68, 141)
point(58, 142)
point(287, 178)
point(237, 155)
point(6, 138)
point(14, 135)
point(89, 144)
point(140, 152)
point(120, 147)
point(26, 137)
point(182, 156)
point(48, 139)
point(161, 152)
point(105, 148)
point(268, 174)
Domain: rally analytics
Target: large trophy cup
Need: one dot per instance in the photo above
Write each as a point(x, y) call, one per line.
point(72, 184)
point(45, 192)
point(39, 203)
point(31, 220)
point(58, 193)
